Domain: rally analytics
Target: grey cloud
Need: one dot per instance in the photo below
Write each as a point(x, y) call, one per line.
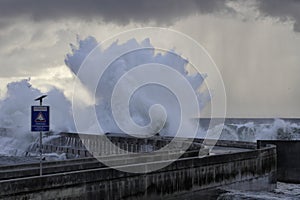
point(282, 9)
point(116, 11)
point(162, 12)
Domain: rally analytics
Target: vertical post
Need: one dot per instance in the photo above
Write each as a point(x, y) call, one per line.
point(41, 144)
point(40, 99)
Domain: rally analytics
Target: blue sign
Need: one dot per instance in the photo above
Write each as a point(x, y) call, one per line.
point(40, 117)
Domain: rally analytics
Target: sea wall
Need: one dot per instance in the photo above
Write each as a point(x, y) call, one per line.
point(288, 159)
point(250, 170)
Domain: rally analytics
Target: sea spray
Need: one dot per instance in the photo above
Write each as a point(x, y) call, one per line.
point(15, 115)
point(144, 97)
point(15, 107)
point(259, 129)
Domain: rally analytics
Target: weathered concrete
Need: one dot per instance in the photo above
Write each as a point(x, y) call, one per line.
point(254, 169)
point(27, 170)
point(288, 159)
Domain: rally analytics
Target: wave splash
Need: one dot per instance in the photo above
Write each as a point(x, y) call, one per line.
point(252, 130)
point(15, 107)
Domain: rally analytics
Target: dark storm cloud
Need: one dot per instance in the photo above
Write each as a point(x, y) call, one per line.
point(142, 11)
point(116, 11)
point(282, 9)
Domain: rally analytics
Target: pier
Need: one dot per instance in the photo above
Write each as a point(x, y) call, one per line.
point(230, 164)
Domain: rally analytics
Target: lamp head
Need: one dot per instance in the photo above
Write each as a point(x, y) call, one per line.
point(40, 98)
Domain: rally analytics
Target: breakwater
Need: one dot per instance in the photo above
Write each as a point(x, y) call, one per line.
point(288, 162)
point(230, 164)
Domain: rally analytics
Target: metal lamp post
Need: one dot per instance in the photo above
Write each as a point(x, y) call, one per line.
point(41, 136)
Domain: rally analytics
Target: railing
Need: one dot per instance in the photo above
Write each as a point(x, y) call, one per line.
point(85, 145)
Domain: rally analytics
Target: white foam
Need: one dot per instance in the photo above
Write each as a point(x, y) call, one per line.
point(249, 131)
point(283, 191)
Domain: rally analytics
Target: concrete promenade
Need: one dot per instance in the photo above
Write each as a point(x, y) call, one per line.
point(230, 164)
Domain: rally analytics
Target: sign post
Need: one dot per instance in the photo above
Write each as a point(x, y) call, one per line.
point(40, 116)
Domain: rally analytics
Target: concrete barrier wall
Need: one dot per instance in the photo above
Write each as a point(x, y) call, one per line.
point(33, 169)
point(253, 170)
point(288, 159)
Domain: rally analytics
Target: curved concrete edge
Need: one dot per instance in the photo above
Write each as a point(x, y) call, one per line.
point(186, 174)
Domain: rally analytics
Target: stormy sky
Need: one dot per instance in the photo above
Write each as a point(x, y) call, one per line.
point(255, 43)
